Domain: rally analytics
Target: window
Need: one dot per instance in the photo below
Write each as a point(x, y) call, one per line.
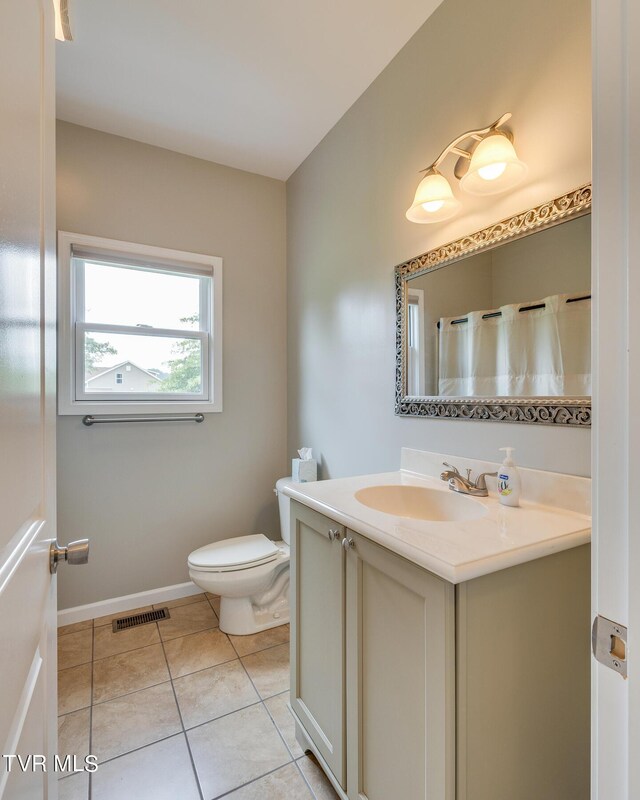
point(140, 328)
point(415, 343)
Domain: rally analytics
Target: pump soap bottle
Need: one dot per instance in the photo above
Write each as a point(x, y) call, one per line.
point(508, 480)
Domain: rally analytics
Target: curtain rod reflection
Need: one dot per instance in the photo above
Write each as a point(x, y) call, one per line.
point(524, 308)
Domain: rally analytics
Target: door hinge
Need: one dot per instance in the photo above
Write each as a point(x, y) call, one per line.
point(609, 643)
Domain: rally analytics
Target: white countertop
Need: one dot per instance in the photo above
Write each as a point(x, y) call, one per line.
point(456, 551)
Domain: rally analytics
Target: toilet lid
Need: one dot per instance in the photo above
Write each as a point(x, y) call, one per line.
point(237, 553)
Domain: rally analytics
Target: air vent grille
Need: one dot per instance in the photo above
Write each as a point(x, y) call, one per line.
point(132, 621)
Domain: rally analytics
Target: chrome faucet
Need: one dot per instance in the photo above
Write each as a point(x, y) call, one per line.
point(458, 483)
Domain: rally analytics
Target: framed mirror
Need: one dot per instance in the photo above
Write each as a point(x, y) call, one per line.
point(497, 325)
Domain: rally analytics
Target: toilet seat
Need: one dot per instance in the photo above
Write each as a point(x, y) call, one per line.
point(230, 555)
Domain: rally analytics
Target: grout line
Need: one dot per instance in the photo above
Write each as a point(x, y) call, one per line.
point(275, 724)
point(304, 777)
point(152, 644)
point(82, 663)
point(132, 692)
point(294, 760)
point(184, 731)
point(176, 677)
point(126, 652)
point(310, 757)
point(247, 671)
point(178, 733)
point(222, 716)
point(262, 702)
point(277, 694)
point(72, 633)
point(202, 630)
point(93, 644)
point(141, 747)
point(212, 666)
point(75, 666)
point(253, 780)
point(210, 601)
point(263, 650)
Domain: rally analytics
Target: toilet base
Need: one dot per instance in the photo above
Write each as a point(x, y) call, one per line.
point(252, 599)
point(240, 617)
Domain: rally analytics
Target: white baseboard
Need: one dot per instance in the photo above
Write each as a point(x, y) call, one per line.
point(114, 605)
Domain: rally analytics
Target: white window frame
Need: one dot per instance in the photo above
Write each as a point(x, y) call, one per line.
point(72, 398)
point(415, 351)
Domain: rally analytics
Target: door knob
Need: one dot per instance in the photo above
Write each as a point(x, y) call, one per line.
point(348, 543)
point(74, 553)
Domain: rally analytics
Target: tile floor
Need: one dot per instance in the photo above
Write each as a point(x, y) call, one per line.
point(178, 710)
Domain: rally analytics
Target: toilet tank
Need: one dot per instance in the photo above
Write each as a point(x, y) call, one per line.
point(283, 507)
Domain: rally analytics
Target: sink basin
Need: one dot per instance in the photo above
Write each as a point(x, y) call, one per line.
point(419, 502)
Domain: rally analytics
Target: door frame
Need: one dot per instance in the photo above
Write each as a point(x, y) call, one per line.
point(616, 396)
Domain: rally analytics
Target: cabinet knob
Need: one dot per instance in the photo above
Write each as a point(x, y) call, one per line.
point(333, 534)
point(348, 543)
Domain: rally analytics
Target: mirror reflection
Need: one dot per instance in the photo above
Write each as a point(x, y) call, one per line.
point(512, 321)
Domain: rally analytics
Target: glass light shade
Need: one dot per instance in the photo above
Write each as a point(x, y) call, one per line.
point(434, 200)
point(494, 167)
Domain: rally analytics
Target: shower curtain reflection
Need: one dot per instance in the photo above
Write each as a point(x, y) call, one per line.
point(541, 352)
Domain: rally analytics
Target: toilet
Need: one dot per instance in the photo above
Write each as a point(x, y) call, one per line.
point(251, 575)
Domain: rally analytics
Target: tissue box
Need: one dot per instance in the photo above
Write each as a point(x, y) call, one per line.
point(304, 471)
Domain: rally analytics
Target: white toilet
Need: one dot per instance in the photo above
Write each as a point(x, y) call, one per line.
point(251, 575)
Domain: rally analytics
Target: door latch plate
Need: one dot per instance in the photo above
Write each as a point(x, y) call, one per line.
point(609, 644)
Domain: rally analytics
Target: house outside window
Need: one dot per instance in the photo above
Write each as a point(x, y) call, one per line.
point(140, 328)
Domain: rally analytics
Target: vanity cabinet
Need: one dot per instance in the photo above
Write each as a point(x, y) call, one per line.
point(400, 677)
point(317, 603)
point(372, 663)
point(405, 685)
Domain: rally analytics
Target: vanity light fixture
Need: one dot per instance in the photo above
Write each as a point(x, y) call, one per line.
point(434, 200)
point(62, 24)
point(490, 166)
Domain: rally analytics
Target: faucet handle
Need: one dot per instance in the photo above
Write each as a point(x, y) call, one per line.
point(451, 467)
point(481, 482)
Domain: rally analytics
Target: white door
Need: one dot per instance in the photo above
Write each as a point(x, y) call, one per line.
point(27, 395)
point(616, 432)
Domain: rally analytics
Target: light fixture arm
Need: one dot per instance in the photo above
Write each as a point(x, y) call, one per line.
point(477, 134)
point(486, 164)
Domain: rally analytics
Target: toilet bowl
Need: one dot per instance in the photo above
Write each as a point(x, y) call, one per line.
point(251, 575)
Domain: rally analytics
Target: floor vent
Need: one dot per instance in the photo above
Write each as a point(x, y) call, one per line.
point(124, 623)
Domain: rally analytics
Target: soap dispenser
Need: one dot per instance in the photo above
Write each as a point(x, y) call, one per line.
point(508, 480)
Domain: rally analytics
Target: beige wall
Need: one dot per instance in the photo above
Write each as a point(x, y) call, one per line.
point(468, 64)
point(148, 495)
point(557, 261)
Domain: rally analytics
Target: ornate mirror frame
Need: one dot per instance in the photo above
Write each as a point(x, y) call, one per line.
point(540, 410)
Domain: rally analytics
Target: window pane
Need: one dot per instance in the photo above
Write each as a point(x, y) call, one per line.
point(117, 295)
point(120, 362)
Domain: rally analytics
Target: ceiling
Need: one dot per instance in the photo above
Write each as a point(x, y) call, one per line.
point(254, 84)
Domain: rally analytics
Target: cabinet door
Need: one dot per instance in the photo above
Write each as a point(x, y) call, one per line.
point(317, 633)
point(400, 678)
